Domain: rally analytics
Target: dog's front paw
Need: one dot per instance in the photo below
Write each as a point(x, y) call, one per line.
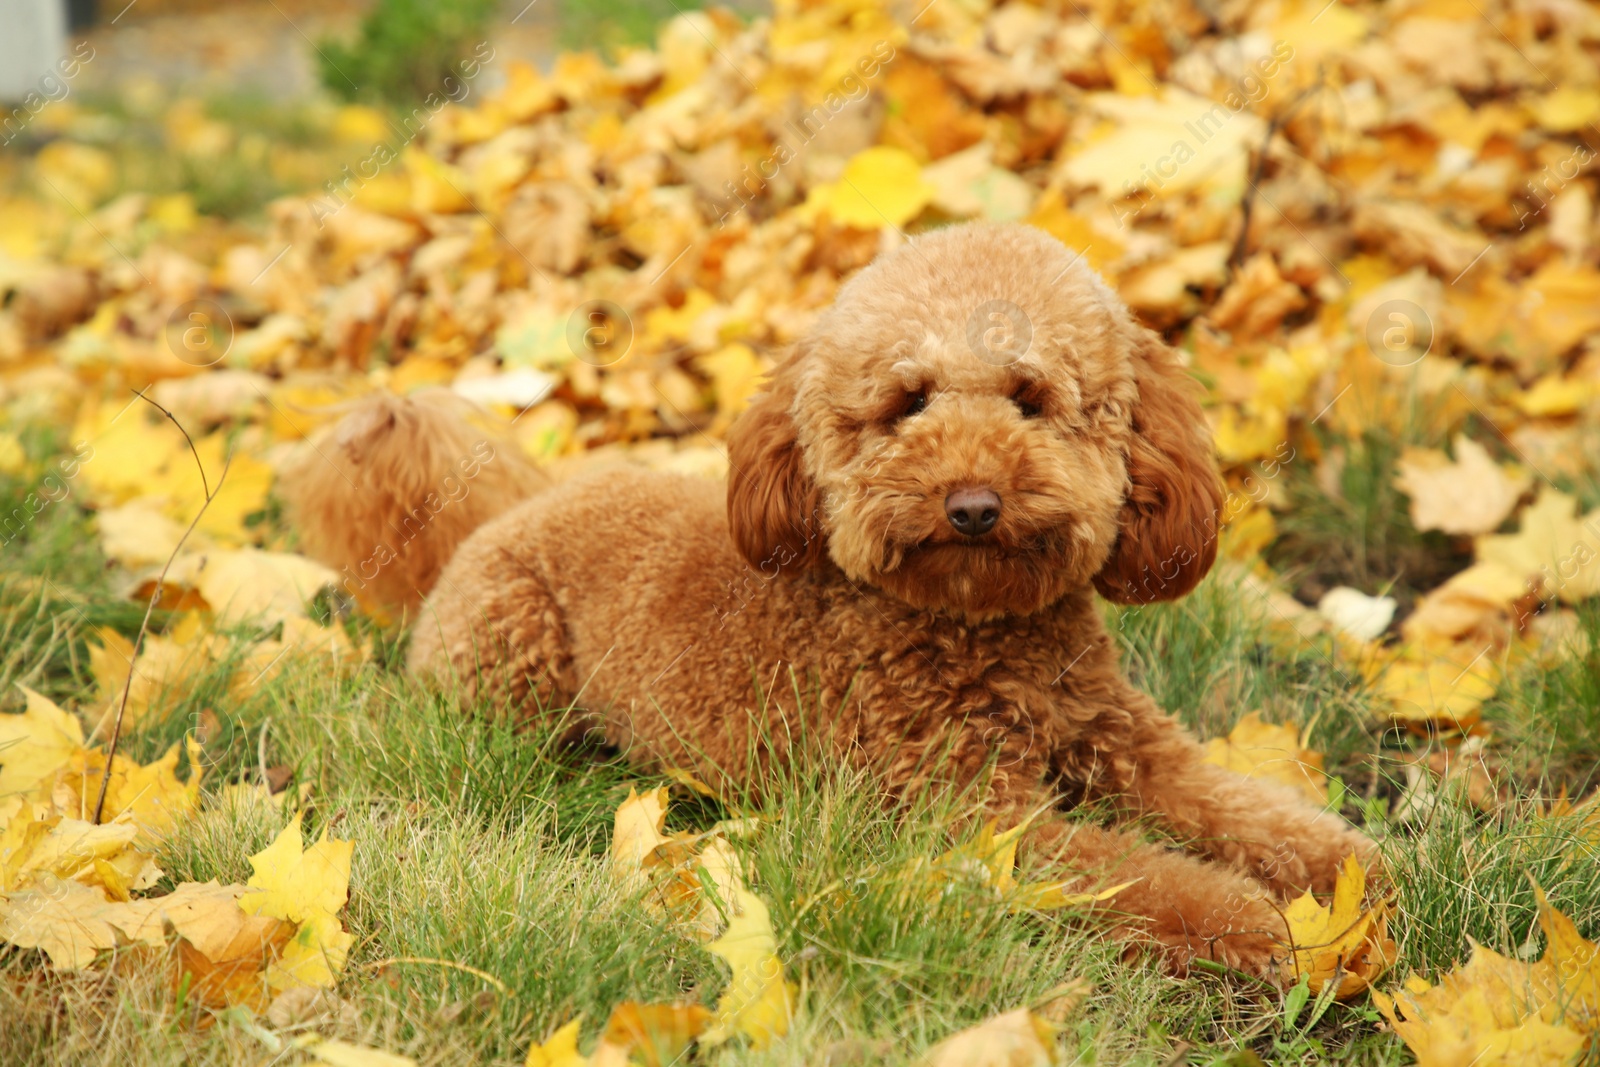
point(1245, 935)
point(1311, 860)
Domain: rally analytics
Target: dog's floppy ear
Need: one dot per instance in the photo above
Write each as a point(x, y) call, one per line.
point(1168, 537)
point(773, 507)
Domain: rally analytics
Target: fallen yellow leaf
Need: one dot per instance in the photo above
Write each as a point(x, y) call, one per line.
point(758, 1002)
point(1258, 749)
point(34, 744)
point(293, 882)
point(1470, 495)
point(560, 1049)
point(1340, 941)
point(1016, 1038)
point(1503, 1012)
point(1554, 548)
point(880, 187)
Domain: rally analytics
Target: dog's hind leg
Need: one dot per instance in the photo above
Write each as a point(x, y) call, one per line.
point(492, 626)
point(387, 494)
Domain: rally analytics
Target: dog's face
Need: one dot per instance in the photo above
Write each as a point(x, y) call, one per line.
point(977, 426)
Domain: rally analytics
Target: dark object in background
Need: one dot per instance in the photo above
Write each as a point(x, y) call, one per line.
point(406, 49)
point(81, 14)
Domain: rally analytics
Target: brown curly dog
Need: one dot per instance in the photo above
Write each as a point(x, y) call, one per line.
point(973, 441)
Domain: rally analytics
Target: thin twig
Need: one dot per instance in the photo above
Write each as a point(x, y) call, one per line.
point(155, 595)
point(192, 449)
point(1247, 204)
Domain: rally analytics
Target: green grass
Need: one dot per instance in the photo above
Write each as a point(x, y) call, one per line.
point(1551, 712)
point(272, 148)
point(405, 50)
point(480, 838)
point(1357, 531)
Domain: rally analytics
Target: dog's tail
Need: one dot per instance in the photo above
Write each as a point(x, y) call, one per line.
point(386, 494)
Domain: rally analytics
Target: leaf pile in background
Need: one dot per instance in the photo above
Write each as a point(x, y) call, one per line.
point(1400, 275)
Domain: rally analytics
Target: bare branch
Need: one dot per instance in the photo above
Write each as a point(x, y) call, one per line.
point(155, 595)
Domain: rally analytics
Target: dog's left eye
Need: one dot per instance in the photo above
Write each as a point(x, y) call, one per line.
point(1027, 404)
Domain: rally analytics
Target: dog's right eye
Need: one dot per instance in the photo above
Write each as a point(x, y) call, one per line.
point(914, 404)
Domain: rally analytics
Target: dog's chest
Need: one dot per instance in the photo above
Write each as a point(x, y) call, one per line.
point(891, 669)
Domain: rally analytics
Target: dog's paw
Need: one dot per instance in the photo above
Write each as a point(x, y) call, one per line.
point(1312, 860)
point(1248, 935)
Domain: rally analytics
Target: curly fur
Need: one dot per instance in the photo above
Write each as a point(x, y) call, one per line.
point(678, 618)
point(386, 495)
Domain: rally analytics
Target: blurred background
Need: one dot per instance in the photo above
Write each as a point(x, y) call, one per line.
point(1367, 226)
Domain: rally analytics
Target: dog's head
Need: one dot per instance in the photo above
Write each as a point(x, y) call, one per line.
point(978, 426)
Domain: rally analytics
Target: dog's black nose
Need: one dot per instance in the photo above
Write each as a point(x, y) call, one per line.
point(973, 512)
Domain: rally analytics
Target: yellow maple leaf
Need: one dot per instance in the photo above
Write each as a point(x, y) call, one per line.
point(758, 1002)
point(1017, 1038)
point(138, 533)
point(1164, 144)
point(1554, 547)
point(36, 743)
point(1470, 495)
point(560, 1049)
point(1052, 215)
point(168, 669)
point(1554, 395)
point(1503, 1012)
point(1565, 108)
point(68, 920)
point(880, 186)
point(1560, 306)
point(345, 1054)
point(636, 832)
point(150, 796)
point(436, 186)
point(314, 956)
point(735, 374)
point(990, 860)
point(1339, 940)
point(654, 1035)
point(1472, 605)
point(34, 844)
point(1259, 749)
point(251, 585)
point(293, 882)
point(240, 494)
point(1464, 1030)
point(1430, 691)
point(1243, 436)
point(1568, 973)
point(206, 914)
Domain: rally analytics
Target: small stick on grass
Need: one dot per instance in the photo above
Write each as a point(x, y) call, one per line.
point(155, 595)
